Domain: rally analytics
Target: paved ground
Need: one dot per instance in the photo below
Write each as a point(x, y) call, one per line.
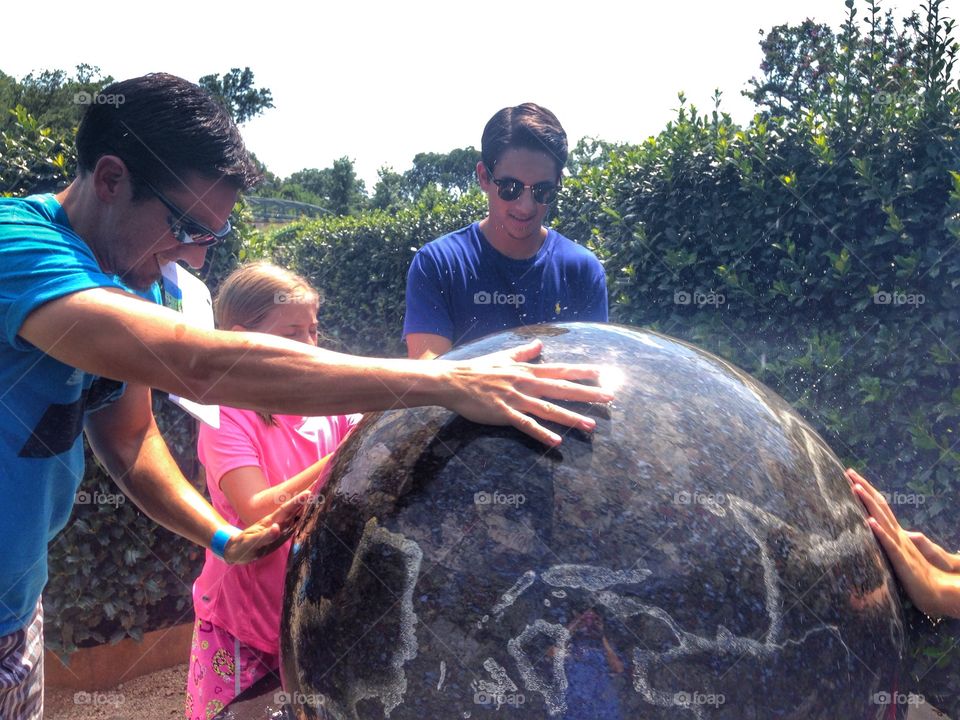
point(158, 696)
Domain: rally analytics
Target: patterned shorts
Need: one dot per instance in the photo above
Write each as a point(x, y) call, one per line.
point(21, 671)
point(221, 667)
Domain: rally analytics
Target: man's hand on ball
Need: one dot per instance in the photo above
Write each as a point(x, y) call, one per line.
point(504, 388)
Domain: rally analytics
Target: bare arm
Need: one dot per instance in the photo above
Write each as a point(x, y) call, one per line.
point(253, 497)
point(424, 346)
point(113, 334)
point(126, 439)
point(933, 583)
point(616, 665)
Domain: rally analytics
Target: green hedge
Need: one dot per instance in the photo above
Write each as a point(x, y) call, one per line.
point(114, 573)
point(786, 262)
point(359, 265)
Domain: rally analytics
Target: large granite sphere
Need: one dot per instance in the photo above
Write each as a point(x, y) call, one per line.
point(700, 555)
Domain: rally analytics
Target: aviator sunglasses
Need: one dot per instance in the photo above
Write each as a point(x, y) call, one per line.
point(510, 189)
point(187, 230)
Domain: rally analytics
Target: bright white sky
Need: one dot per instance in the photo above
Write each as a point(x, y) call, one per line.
point(380, 81)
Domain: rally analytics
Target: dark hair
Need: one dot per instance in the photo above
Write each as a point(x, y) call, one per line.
point(164, 128)
point(528, 126)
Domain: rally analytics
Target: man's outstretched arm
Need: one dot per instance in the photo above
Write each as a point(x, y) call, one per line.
point(113, 334)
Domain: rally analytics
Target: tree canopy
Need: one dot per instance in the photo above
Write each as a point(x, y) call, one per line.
point(237, 93)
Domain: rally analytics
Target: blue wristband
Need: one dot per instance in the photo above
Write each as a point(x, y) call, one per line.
point(220, 539)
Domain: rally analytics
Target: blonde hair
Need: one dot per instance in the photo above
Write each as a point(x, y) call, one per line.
point(253, 290)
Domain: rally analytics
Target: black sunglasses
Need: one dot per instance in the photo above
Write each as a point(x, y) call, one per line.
point(187, 230)
point(510, 189)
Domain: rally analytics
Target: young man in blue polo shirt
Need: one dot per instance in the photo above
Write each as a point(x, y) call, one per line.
point(507, 270)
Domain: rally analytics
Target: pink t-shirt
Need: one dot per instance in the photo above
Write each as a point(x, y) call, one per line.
point(245, 599)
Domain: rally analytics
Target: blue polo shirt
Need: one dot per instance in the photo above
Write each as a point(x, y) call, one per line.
point(460, 287)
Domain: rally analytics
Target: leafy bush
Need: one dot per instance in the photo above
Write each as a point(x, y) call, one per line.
point(360, 264)
point(814, 250)
point(34, 158)
point(114, 573)
point(56, 98)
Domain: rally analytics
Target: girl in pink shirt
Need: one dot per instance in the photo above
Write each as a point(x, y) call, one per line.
point(253, 463)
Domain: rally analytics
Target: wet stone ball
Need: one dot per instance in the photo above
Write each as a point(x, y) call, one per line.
point(698, 556)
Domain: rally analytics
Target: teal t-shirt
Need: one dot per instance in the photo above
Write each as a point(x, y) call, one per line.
point(43, 402)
